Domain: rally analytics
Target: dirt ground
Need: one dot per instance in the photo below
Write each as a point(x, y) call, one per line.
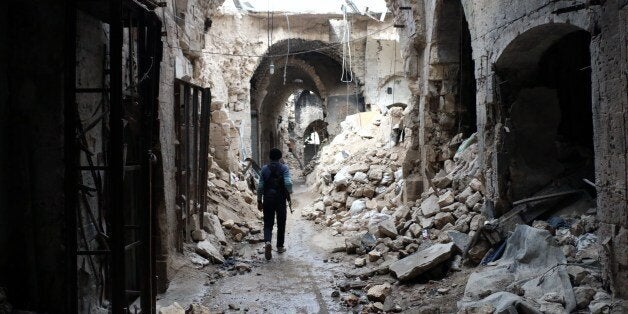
point(303, 279)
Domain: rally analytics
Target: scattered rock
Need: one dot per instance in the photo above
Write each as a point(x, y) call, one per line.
point(387, 228)
point(446, 199)
point(198, 309)
point(374, 255)
point(199, 235)
point(584, 296)
point(174, 308)
point(379, 292)
point(243, 267)
point(473, 199)
point(429, 207)
point(209, 251)
point(417, 263)
point(360, 262)
point(441, 219)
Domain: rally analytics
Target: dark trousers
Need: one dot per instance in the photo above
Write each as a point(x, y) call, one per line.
point(272, 207)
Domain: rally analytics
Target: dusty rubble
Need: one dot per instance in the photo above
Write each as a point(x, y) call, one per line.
point(231, 217)
point(449, 228)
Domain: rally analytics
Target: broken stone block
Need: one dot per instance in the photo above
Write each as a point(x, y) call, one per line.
point(360, 262)
point(375, 173)
point(379, 292)
point(477, 252)
point(422, 261)
point(387, 228)
point(339, 196)
point(174, 308)
point(442, 219)
point(374, 255)
point(476, 185)
point(461, 240)
point(476, 222)
point(403, 212)
point(429, 207)
point(460, 211)
point(415, 230)
point(473, 199)
point(577, 274)
point(228, 224)
point(359, 167)
point(584, 296)
point(209, 251)
point(446, 199)
point(212, 225)
point(243, 267)
point(360, 177)
point(426, 222)
point(464, 195)
point(442, 182)
point(601, 303)
point(199, 235)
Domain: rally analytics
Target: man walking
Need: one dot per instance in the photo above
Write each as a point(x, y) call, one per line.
point(273, 191)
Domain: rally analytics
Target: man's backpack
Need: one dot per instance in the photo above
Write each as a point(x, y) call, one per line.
point(276, 180)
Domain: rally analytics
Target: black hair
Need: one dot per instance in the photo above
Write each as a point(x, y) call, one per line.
point(275, 154)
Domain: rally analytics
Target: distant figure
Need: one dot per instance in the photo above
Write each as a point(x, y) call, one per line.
point(396, 117)
point(274, 189)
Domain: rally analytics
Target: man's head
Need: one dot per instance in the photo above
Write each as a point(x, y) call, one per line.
point(275, 154)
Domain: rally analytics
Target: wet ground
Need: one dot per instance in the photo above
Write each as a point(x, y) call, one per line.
point(301, 280)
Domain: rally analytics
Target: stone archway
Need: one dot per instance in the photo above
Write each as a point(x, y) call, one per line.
point(310, 68)
point(544, 88)
point(450, 101)
point(314, 137)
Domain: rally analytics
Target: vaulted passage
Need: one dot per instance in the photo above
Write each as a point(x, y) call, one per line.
point(310, 81)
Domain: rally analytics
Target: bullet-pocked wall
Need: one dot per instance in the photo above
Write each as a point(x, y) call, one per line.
point(536, 56)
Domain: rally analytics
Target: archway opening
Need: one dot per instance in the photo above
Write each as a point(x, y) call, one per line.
point(293, 92)
point(314, 136)
point(452, 85)
point(545, 90)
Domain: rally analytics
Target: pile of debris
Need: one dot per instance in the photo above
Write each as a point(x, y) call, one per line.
point(358, 175)
point(363, 192)
point(231, 217)
point(535, 276)
point(361, 181)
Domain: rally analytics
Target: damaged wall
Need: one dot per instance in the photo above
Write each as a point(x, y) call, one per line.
point(229, 76)
point(493, 27)
point(184, 37)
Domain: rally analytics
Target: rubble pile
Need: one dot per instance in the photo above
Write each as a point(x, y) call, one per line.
point(358, 175)
point(231, 217)
point(363, 193)
point(534, 275)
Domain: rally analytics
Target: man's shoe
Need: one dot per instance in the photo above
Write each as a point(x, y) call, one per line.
point(281, 249)
point(268, 251)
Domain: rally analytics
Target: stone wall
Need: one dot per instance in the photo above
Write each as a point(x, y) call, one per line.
point(493, 27)
point(185, 27)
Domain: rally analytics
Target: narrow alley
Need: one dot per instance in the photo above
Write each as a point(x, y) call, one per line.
point(428, 156)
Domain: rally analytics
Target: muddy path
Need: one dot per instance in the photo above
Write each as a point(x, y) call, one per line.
point(301, 280)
